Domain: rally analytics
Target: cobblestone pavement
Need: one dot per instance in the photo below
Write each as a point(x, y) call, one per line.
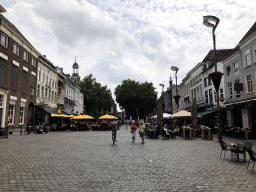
point(87, 161)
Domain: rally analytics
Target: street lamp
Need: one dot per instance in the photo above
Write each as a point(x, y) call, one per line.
point(216, 75)
point(176, 97)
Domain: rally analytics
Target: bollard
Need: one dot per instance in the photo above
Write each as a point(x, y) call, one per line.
point(34, 129)
point(21, 129)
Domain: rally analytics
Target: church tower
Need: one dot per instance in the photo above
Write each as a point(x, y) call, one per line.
point(75, 76)
point(170, 82)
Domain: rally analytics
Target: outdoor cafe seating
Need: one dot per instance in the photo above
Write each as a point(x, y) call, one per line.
point(239, 133)
point(236, 149)
point(188, 132)
point(152, 133)
point(206, 133)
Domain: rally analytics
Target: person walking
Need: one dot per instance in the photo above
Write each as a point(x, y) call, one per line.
point(133, 130)
point(142, 131)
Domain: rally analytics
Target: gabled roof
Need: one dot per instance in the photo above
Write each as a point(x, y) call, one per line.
point(221, 54)
point(251, 31)
point(2, 18)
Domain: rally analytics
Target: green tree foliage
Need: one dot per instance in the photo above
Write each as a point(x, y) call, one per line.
point(95, 95)
point(132, 95)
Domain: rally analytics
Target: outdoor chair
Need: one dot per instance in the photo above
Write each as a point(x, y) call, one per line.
point(239, 149)
point(248, 145)
point(225, 147)
point(164, 135)
point(252, 155)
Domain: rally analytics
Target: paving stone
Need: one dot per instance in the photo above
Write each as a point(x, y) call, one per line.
point(87, 161)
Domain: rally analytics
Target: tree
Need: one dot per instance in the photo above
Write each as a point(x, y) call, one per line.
point(95, 95)
point(133, 96)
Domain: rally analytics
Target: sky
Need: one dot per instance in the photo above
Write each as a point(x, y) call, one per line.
point(139, 40)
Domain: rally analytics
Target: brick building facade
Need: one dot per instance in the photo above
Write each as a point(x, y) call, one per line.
point(18, 70)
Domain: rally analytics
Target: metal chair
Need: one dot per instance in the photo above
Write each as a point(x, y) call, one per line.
point(248, 145)
point(225, 147)
point(252, 155)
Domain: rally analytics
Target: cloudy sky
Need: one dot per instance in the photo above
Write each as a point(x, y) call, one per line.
point(140, 40)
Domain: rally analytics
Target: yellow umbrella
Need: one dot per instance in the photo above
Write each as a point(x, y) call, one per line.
point(71, 116)
point(108, 117)
point(59, 115)
point(83, 117)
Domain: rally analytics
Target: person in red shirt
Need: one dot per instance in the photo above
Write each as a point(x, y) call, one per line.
point(133, 130)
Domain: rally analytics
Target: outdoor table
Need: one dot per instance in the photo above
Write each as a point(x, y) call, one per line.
point(208, 134)
point(237, 149)
point(191, 132)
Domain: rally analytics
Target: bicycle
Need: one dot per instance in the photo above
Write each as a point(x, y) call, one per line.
point(114, 136)
point(3, 133)
point(27, 131)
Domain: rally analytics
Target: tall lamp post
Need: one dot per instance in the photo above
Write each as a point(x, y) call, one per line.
point(216, 75)
point(176, 97)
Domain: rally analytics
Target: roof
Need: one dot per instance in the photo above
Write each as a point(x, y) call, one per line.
point(75, 65)
point(2, 18)
point(2, 9)
point(251, 31)
point(222, 54)
point(46, 61)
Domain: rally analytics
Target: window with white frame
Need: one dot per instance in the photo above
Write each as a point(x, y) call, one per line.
point(209, 81)
point(249, 83)
point(228, 71)
point(230, 90)
point(43, 75)
point(38, 73)
point(21, 117)
point(16, 49)
point(221, 93)
point(55, 97)
point(42, 92)
point(11, 114)
point(210, 96)
point(25, 56)
point(52, 96)
point(236, 67)
point(33, 62)
point(247, 59)
point(46, 78)
point(205, 82)
point(52, 82)
point(46, 92)
point(237, 93)
point(206, 96)
point(49, 94)
point(38, 91)
point(4, 40)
